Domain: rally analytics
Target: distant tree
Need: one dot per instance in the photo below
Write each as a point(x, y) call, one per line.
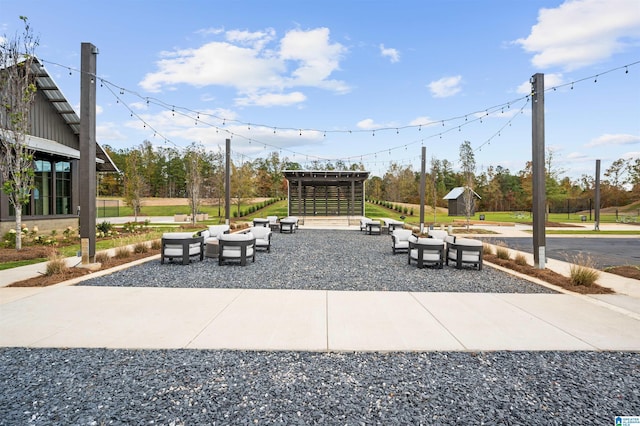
point(134, 183)
point(468, 167)
point(242, 184)
point(193, 164)
point(433, 185)
point(616, 176)
point(17, 93)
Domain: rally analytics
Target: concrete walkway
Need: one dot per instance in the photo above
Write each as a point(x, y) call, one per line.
point(161, 318)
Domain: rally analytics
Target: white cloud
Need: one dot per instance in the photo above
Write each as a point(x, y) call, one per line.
point(210, 31)
point(108, 131)
point(446, 86)
point(392, 54)
point(252, 63)
point(272, 99)
point(582, 32)
point(614, 139)
point(370, 124)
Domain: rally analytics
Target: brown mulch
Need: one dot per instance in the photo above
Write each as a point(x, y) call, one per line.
point(44, 280)
point(625, 271)
point(548, 276)
point(26, 253)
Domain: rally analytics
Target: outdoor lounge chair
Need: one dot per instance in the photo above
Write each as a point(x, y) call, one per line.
point(237, 248)
point(400, 240)
point(263, 237)
point(465, 251)
point(435, 233)
point(426, 251)
point(288, 224)
point(273, 222)
point(182, 245)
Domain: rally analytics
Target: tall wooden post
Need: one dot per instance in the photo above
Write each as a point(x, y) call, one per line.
point(423, 171)
point(227, 182)
point(597, 197)
point(87, 166)
point(539, 190)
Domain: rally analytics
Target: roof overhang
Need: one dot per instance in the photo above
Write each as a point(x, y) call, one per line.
point(103, 162)
point(324, 177)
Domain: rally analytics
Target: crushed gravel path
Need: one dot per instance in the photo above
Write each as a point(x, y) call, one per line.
point(321, 260)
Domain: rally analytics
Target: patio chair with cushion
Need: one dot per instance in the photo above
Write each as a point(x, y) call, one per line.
point(263, 237)
point(236, 248)
point(439, 234)
point(465, 251)
point(273, 222)
point(425, 251)
point(182, 245)
point(400, 240)
point(288, 224)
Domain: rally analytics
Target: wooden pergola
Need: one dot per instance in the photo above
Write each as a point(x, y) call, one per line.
point(326, 192)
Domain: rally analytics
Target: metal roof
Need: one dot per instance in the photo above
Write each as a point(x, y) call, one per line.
point(455, 193)
point(325, 175)
point(48, 87)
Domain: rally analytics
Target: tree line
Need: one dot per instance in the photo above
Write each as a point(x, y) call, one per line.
point(198, 174)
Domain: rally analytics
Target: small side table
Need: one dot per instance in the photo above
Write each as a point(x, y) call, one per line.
point(212, 249)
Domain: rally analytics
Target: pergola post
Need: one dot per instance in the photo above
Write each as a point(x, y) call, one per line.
point(87, 166)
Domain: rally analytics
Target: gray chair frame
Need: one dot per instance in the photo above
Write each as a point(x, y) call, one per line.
point(185, 243)
point(421, 263)
point(243, 244)
point(460, 249)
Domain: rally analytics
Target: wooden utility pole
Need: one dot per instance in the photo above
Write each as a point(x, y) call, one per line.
point(597, 197)
point(87, 166)
point(423, 171)
point(539, 190)
point(227, 182)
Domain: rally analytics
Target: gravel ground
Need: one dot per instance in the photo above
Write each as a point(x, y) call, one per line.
point(185, 387)
point(321, 260)
point(189, 387)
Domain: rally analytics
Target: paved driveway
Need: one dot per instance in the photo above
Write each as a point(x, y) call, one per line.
point(604, 251)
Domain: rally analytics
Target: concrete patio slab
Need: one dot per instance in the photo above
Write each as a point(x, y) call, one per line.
point(269, 320)
point(384, 321)
point(489, 322)
point(602, 328)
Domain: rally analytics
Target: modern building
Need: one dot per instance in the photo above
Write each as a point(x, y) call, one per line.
point(55, 140)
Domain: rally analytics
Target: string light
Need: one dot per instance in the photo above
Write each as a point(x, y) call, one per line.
point(188, 112)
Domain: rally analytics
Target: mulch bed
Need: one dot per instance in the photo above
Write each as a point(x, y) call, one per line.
point(44, 280)
point(548, 276)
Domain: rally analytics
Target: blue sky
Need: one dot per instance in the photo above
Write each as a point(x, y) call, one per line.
point(358, 81)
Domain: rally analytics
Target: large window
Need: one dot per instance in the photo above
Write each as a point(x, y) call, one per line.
point(63, 187)
point(42, 193)
point(51, 194)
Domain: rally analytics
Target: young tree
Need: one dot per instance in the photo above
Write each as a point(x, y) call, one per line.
point(17, 93)
point(468, 166)
point(133, 182)
point(193, 162)
point(242, 184)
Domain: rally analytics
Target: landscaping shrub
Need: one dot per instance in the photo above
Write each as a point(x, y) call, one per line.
point(582, 271)
point(156, 244)
point(502, 252)
point(122, 253)
point(520, 259)
point(140, 248)
point(487, 249)
point(103, 257)
point(104, 227)
point(56, 265)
